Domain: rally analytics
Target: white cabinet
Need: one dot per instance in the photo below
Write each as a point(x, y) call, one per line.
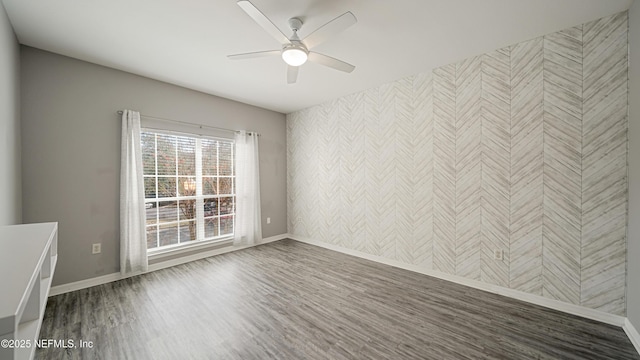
point(28, 255)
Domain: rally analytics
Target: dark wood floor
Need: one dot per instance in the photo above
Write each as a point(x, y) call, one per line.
point(288, 300)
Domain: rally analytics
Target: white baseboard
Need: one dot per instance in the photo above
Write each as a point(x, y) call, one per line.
point(520, 295)
point(632, 333)
point(83, 284)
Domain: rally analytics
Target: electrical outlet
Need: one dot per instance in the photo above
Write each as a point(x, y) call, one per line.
point(268, 220)
point(96, 248)
point(497, 254)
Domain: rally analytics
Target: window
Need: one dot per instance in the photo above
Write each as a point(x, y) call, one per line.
point(189, 188)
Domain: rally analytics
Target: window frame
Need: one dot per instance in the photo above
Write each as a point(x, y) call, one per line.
point(200, 216)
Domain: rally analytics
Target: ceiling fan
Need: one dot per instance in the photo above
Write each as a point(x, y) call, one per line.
point(295, 52)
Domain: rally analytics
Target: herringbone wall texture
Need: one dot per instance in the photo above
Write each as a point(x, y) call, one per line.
point(522, 149)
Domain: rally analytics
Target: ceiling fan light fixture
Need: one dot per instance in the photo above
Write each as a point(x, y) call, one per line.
point(294, 55)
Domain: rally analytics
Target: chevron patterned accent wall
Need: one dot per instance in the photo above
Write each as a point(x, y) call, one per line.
point(521, 150)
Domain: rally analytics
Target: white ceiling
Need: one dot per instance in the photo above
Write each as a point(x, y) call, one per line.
point(185, 42)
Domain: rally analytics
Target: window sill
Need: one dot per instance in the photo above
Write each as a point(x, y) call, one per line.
point(172, 252)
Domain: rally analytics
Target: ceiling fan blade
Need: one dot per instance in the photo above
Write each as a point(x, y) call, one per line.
point(292, 74)
point(330, 29)
point(252, 55)
point(263, 21)
point(330, 62)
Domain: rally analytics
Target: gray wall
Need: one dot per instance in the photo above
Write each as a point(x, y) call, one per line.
point(10, 193)
point(502, 151)
point(71, 151)
point(633, 250)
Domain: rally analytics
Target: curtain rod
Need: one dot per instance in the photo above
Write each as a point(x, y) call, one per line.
point(120, 112)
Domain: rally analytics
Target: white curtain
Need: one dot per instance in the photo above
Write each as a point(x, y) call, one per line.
point(133, 244)
point(248, 229)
